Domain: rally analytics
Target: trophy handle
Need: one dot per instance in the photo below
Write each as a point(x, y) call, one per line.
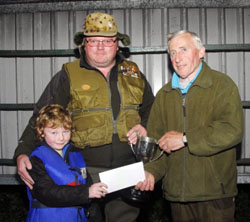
point(132, 148)
point(158, 156)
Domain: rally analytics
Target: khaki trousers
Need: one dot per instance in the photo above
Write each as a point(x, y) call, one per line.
point(221, 210)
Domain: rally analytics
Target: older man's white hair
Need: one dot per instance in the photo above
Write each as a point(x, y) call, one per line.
point(194, 36)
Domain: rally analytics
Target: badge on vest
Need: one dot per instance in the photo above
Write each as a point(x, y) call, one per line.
point(85, 87)
point(130, 71)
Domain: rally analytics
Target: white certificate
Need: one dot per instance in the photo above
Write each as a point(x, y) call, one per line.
point(123, 177)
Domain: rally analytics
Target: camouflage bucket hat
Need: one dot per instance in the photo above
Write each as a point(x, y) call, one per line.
point(100, 24)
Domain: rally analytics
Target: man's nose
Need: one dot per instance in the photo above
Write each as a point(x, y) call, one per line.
point(177, 57)
point(100, 45)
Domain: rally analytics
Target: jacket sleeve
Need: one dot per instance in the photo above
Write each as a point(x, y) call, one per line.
point(56, 92)
point(156, 130)
point(53, 195)
point(148, 99)
point(225, 130)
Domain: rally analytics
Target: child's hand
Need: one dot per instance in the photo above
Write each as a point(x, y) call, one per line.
point(98, 190)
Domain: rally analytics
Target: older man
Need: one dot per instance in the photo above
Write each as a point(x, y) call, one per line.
point(197, 118)
point(109, 99)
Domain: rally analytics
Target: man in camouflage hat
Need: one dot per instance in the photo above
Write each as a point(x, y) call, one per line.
point(109, 99)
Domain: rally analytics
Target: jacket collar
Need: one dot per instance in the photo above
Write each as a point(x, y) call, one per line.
point(203, 80)
point(65, 148)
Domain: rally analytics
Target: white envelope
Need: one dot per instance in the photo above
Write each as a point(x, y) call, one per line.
point(123, 177)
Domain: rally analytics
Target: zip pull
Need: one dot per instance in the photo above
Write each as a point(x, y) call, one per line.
point(184, 104)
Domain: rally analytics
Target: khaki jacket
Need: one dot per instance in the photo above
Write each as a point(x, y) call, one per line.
point(206, 168)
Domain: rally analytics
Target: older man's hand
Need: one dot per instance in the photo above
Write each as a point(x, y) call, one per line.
point(171, 141)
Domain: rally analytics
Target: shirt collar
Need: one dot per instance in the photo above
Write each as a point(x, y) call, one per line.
point(175, 81)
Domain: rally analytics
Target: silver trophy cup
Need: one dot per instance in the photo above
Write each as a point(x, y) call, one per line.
point(144, 150)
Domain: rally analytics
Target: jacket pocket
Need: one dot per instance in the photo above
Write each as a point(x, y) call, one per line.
point(92, 130)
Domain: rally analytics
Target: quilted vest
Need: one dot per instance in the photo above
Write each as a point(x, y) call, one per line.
point(90, 105)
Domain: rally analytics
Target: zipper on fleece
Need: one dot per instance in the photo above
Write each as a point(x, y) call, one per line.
point(184, 153)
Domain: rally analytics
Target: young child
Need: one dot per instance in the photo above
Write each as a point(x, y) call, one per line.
point(61, 187)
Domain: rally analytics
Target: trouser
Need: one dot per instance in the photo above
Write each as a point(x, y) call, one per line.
point(115, 208)
point(221, 210)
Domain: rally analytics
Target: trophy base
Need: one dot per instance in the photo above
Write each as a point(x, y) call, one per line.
point(137, 196)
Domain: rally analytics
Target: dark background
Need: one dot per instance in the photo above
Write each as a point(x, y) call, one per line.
point(14, 205)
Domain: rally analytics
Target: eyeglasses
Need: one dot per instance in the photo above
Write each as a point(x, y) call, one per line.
point(105, 42)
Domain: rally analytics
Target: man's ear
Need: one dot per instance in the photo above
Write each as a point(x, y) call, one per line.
point(202, 52)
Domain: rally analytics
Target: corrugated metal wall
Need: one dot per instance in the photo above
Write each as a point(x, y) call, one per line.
point(23, 79)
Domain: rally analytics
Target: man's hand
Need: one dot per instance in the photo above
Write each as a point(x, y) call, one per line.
point(147, 184)
point(137, 130)
point(171, 141)
point(23, 163)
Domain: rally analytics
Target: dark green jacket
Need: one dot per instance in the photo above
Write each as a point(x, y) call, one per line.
point(206, 168)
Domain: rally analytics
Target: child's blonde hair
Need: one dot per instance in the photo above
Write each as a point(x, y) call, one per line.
point(52, 116)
